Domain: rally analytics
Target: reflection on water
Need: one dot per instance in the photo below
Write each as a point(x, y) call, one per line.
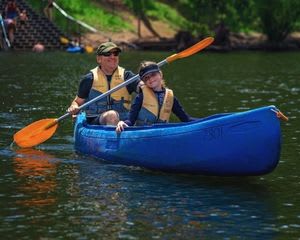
point(37, 172)
point(132, 201)
point(51, 193)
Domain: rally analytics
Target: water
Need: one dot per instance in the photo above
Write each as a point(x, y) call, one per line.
point(50, 192)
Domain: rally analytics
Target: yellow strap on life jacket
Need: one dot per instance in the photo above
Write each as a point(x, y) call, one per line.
point(150, 103)
point(166, 110)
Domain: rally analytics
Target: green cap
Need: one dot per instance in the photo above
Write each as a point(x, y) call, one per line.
point(106, 47)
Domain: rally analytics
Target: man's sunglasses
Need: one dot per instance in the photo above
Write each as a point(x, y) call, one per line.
point(107, 54)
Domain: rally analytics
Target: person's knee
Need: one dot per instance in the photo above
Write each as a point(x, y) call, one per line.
point(110, 117)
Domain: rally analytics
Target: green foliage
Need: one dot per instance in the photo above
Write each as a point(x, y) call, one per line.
point(137, 6)
point(157, 10)
point(88, 12)
point(276, 18)
point(240, 16)
point(279, 18)
point(164, 12)
point(237, 15)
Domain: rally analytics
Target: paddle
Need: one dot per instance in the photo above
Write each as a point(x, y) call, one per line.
point(42, 130)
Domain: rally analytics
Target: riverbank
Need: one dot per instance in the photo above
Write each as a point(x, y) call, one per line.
point(116, 22)
point(162, 35)
point(170, 40)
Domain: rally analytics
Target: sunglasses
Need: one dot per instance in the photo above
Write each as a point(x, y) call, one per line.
point(108, 54)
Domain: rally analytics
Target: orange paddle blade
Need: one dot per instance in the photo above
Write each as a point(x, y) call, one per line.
point(36, 133)
point(191, 50)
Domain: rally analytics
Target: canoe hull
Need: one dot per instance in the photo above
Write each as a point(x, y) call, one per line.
point(246, 143)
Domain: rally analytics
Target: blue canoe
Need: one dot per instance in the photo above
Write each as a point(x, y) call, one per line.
point(231, 144)
point(75, 49)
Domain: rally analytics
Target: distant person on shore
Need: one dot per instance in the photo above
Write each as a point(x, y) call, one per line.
point(75, 42)
point(10, 25)
point(11, 29)
point(108, 74)
point(155, 103)
point(48, 10)
point(23, 18)
point(38, 47)
point(11, 10)
point(11, 13)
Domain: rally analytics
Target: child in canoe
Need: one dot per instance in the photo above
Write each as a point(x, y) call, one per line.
point(155, 102)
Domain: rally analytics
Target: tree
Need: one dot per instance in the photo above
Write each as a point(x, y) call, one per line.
point(205, 15)
point(278, 18)
point(139, 8)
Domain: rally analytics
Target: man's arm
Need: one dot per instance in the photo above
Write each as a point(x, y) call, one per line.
point(74, 107)
point(83, 92)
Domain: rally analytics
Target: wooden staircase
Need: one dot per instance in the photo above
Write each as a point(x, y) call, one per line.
point(37, 29)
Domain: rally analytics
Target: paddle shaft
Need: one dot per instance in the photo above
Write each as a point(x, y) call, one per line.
point(103, 95)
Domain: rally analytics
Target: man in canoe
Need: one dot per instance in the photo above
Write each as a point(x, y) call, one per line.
point(155, 102)
point(108, 74)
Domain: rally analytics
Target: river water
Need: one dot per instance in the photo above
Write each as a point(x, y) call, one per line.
point(50, 192)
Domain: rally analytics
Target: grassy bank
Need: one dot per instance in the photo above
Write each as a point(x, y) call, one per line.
point(110, 17)
point(87, 11)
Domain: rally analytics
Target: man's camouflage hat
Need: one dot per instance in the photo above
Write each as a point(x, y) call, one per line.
point(106, 47)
